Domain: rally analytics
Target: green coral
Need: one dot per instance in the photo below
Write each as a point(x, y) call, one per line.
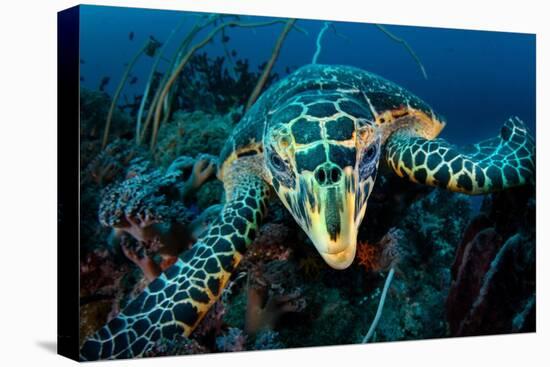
point(192, 133)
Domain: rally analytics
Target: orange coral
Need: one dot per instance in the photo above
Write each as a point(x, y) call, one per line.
point(367, 256)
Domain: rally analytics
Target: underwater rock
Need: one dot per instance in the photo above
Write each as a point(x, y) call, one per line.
point(493, 288)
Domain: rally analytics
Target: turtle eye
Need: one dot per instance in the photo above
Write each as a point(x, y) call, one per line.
point(282, 173)
point(369, 154)
point(369, 161)
point(277, 162)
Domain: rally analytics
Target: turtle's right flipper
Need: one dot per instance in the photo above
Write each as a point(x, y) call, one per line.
point(495, 164)
point(175, 302)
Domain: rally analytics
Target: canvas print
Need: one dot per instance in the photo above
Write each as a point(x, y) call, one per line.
point(251, 183)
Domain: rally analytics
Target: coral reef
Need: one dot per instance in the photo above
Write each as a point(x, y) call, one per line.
point(148, 206)
point(452, 272)
point(493, 276)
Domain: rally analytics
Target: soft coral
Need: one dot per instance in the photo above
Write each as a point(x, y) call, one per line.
point(148, 206)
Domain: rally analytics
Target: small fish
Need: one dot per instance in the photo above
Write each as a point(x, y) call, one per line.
point(133, 80)
point(225, 39)
point(81, 78)
point(131, 36)
point(104, 81)
point(233, 53)
point(82, 61)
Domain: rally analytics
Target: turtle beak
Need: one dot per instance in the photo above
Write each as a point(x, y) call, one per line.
point(329, 214)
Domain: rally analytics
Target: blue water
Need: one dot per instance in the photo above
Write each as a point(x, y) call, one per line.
point(475, 79)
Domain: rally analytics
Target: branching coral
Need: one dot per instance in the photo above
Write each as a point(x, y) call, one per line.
point(374, 323)
point(107, 167)
point(94, 107)
point(140, 202)
point(405, 44)
point(366, 256)
point(318, 42)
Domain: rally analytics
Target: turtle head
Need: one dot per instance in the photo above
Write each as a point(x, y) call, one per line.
point(323, 170)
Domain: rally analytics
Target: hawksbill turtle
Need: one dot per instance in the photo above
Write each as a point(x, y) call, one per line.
point(316, 139)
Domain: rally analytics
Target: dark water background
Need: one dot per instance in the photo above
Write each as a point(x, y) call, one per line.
point(476, 79)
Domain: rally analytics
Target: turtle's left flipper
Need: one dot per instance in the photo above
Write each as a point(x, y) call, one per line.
point(495, 164)
point(175, 302)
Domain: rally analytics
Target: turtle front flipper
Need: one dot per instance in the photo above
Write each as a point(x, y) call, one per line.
point(176, 301)
point(495, 164)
